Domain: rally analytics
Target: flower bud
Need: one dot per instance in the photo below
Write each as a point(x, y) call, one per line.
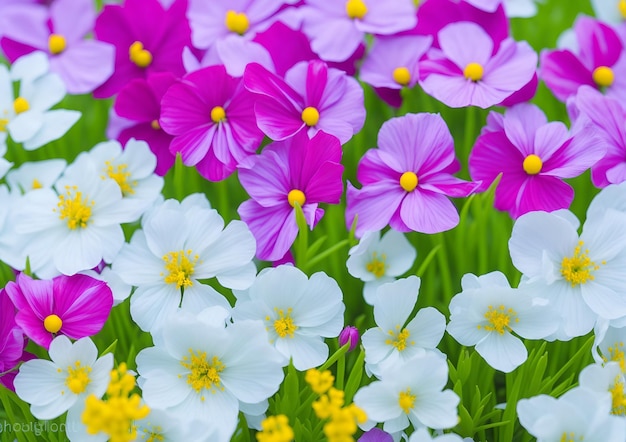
point(349, 334)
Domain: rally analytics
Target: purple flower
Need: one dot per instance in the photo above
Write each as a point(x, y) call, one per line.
point(75, 306)
point(533, 157)
point(407, 180)
point(211, 116)
point(312, 97)
point(607, 114)
point(12, 341)
point(599, 62)
point(298, 170)
point(349, 334)
point(140, 102)
point(147, 38)
point(376, 435)
point(468, 70)
point(60, 31)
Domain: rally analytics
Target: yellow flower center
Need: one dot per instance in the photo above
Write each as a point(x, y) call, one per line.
point(77, 378)
point(237, 22)
point(622, 8)
point(218, 114)
point(20, 105)
point(204, 374)
point(36, 184)
point(121, 176)
point(155, 125)
point(3, 124)
point(180, 266)
point(406, 400)
point(401, 75)
point(74, 208)
point(618, 396)
point(310, 116)
point(473, 71)
point(356, 9)
point(138, 55)
point(570, 437)
point(578, 268)
point(154, 435)
point(399, 338)
point(532, 164)
point(603, 76)
point(408, 181)
point(499, 319)
point(56, 43)
point(296, 196)
point(377, 265)
point(284, 325)
point(52, 323)
point(616, 354)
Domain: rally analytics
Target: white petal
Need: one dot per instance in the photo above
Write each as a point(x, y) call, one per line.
point(55, 124)
point(503, 352)
point(395, 301)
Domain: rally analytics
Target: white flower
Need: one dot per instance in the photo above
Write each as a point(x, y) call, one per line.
point(609, 344)
point(603, 378)
point(28, 118)
point(298, 312)
point(164, 426)
point(35, 175)
point(609, 11)
point(520, 8)
point(580, 414)
point(411, 391)
point(179, 245)
point(74, 372)
point(486, 313)
point(393, 341)
point(200, 369)
point(582, 278)
point(422, 435)
point(377, 261)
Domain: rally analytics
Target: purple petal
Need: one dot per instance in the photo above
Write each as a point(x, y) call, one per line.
point(513, 66)
point(493, 154)
point(266, 178)
point(373, 169)
point(563, 73)
point(194, 144)
point(464, 43)
point(549, 138)
point(324, 33)
point(545, 193)
point(598, 43)
point(520, 125)
point(214, 170)
point(137, 102)
point(450, 186)
point(374, 205)
point(27, 25)
point(428, 212)
point(84, 66)
point(73, 19)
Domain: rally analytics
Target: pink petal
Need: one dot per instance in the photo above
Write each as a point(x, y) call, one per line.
point(374, 205)
point(428, 212)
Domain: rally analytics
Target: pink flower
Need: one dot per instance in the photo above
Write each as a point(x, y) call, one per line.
point(12, 342)
point(75, 306)
point(407, 180)
point(298, 170)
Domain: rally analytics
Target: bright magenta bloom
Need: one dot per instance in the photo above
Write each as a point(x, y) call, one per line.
point(75, 306)
point(407, 180)
point(12, 341)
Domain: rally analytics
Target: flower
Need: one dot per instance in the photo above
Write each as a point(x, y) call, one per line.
point(473, 70)
point(35, 175)
point(299, 170)
point(276, 429)
point(406, 180)
point(180, 244)
point(59, 31)
point(392, 342)
point(206, 369)
point(350, 334)
point(486, 313)
point(608, 345)
point(375, 435)
point(298, 312)
point(73, 373)
point(533, 157)
point(410, 391)
point(606, 377)
point(378, 261)
point(312, 97)
point(422, 435)
point(12, 341)
point(213, 127)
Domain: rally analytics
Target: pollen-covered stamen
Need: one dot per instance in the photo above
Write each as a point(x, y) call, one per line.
point(56, 44)
point(74, 208)
point(408, 181)
point(204, 374)
point(180, 266)
point(283, 325)
point(616, 354)
point(618, 397)
point(473, 71)
point(532, 164)
point(406, 400)
point(499, 319)
point(603, 76)
point(139, 55)
point(120, 174)
point(237, 22)
point(296, 196)
point(77, 378)
point(52, 323)
point(218, 114)
point(310, 116)
point(399, 338)
point(20, 105)
point(356, 9)
point(154, 124)
point(401, 75)
point(376, 265)
point(578, 268)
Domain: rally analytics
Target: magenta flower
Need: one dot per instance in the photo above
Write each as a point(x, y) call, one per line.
point(312, 96)
point(60, 31)
point(599, 62)
point(147, 38)
point(407, 180)
point(468, 70)
point(12, 341)
point(607, 115)
point(337, 28)
point(75, 306)
point(140, 102)
point(211, 116)
point(349, 334)
point(298, 170)
point(533, 157)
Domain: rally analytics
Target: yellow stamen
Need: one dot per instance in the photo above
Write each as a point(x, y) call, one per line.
point(73, 207)
point(618, 396)
point(56, 43)
point(237, 22)
point(356, 9)
point(408, 181)
point(180, 266)
point(155, 125)
point(138, 55)
point(310, 116)
point(399, 338)
point(284, 326)
point(3, 124)
point(603, 76)
point(218, 114)
point(296, 196)
point(532, 164)
point(473, 71)
point(499, 320)
point(78, 378)
point(121, 176)
point(578, 268)
point(622, 8)
point(52, 323)
point(401, 75)
point(406, 400)
point(203, 375)
point(377, 265)
point(36, 184)
point(20, 105)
